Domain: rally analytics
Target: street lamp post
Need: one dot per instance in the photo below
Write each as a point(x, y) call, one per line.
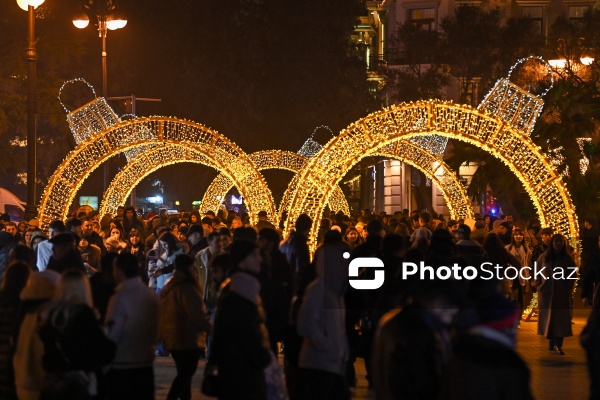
point(107, 19)
point(29, 6)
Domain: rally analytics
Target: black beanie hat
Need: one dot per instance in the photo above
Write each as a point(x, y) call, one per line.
point(239, 250)
point(303, 223)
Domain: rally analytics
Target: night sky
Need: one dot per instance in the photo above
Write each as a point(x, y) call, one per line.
point(263, 73)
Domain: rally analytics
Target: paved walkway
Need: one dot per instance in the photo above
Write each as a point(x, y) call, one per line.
point(552, 376)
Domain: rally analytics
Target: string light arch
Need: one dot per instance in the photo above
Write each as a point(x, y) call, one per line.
point(94, 150)
point(430, 163)
point(270, 159)
point(512, 146)
point(143, 165)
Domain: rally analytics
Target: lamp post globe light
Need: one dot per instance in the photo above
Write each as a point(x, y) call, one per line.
point(29, 6)
point(105, 12)
point(107, 18)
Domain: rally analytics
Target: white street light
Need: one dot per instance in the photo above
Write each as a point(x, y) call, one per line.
point(24, 4)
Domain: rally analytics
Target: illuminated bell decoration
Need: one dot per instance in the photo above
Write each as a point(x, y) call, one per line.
point(92, 118)
point(310, 146)
point(513, 104)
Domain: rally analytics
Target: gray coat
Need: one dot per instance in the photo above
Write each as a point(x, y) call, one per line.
point(321, 321)
point(554, 298)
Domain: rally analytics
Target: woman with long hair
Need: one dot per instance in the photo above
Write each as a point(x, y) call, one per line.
point(353, 238)
point(114, 241)
point(167, 250)
point(519, 249)
point(135, 246)
point(555, 287)
point(236, 223)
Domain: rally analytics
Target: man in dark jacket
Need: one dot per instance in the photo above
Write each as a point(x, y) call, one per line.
point(486, 364)
point(360, 304)
point(263, 221)
point(589, 239)
point(94, 238)
point(295, 249)
point(195, 237)
point(276, 281)
point(412, 346)
point(65, 255)
point(469, 249)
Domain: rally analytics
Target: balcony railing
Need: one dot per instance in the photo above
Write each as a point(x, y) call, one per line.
point(393, 57)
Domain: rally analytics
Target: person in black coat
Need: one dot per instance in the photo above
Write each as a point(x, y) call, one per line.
point(130, 221)
point(412, 345)
point(276, 281)
point(65, 255)
point(485, 363)
point(14, 281)
point(295, 249)
point(240, 339)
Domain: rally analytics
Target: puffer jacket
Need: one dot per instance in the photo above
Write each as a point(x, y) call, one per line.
point(321, 321)
point(183, 321)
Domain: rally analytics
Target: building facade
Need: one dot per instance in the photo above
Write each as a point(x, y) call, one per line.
point(392, 185)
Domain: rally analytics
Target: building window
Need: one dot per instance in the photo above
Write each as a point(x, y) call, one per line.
point(578, 12)
point(469, 91)
point(423, 18)
point(536, 14)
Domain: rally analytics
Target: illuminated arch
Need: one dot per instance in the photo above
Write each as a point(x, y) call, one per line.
point(143, 164)
point(225, 155)
point(513, 147)
point(425, 161)
point(270, 159)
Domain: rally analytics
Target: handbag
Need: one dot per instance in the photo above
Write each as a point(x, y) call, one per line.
point(275, 380)
point(211, 382)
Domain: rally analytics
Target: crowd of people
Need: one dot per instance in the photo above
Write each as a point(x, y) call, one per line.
point(87, 308)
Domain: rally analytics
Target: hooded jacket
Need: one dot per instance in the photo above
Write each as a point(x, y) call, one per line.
point(321, 321)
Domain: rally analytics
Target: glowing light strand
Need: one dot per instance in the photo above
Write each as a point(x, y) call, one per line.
point(512, 146)
point(90, 153)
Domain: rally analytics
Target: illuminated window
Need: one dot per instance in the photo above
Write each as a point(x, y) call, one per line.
point(423, 18)
point(578, 12)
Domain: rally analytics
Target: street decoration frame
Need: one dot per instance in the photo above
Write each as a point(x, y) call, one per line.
point(269, 159)
point(90, 153)
point(512, 146)
point(430, 164)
